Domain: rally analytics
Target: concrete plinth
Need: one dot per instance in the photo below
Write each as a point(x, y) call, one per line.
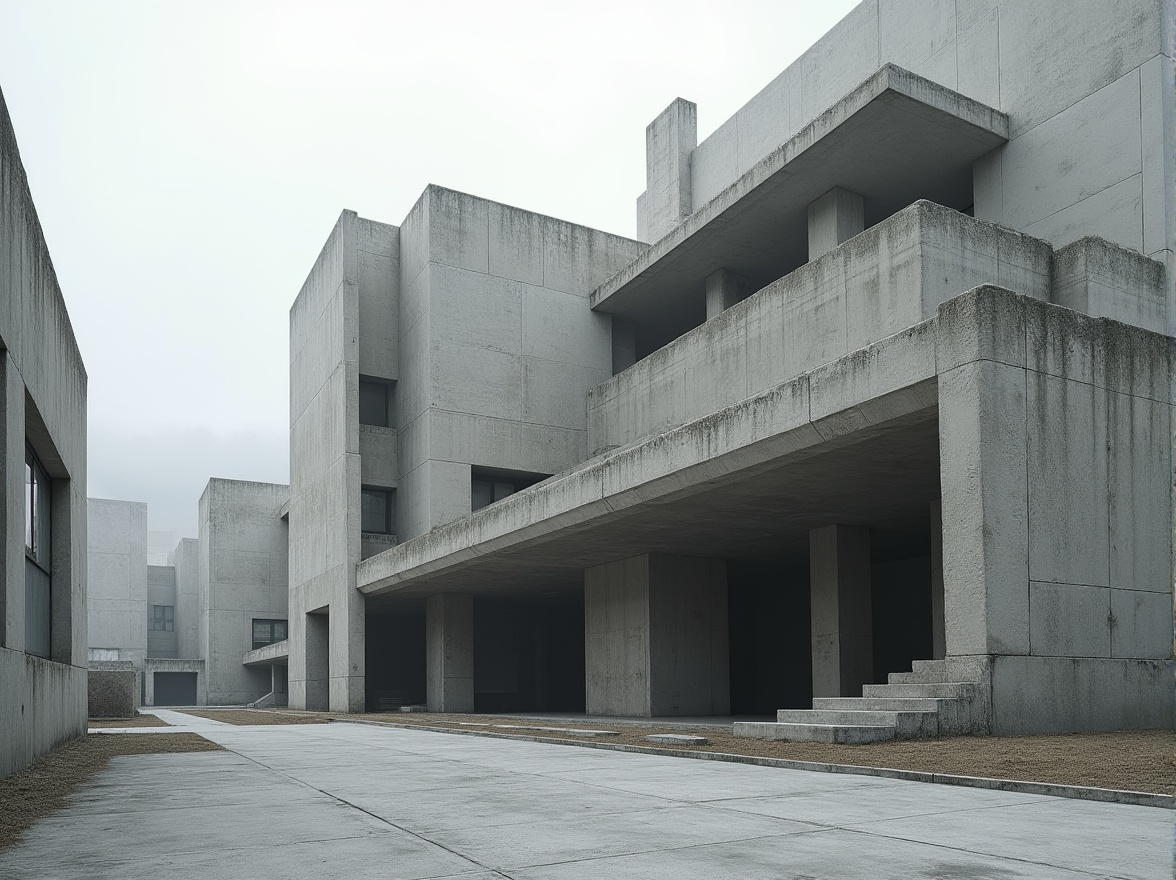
point(843, 643)
point(449, 652)
point(835, 217)
point(656, 640)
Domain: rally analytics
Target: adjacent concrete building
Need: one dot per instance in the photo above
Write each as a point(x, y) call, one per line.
point(872, 426)
point(42, 493)
point(191, 630)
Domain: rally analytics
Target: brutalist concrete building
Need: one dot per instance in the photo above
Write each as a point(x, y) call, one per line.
point(43, 489)
point(872, 428)
point(198, 630)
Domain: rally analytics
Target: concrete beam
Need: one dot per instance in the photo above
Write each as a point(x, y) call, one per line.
point(843, 642)
point(449, 652)
point(835, 217)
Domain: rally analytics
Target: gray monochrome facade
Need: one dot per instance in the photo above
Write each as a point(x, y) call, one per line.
point(189, 632)
point(42, 490)
point(871, 429)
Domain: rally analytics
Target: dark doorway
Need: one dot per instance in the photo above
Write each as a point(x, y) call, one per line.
point(901, 600)
point(395, 657)
point(529, 653)
point(175, 688)
point(771, 646)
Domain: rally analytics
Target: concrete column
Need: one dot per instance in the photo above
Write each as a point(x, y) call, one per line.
point(624, 345)
point(669, 141)
point(723, 289)
point(449, 652)
point(835, 217)
point(318, 661)
point(656, 640)
point(842, 611)
point(938, 635)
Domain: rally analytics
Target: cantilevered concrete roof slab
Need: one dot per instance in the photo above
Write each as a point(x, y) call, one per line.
point(894, 139)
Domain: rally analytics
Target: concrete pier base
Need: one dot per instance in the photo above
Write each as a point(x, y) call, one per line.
point(449, 652)
point(843, 643)
point(656, 637)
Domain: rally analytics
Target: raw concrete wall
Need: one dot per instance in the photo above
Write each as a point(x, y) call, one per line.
point(325, 479)
point(1056, 457)
point(185, 559)
point(879, 283)
point(43, 405)
point(117, 572)
point(161, 590)
point(498, 346)
point(243, 541)
point(1087, 86)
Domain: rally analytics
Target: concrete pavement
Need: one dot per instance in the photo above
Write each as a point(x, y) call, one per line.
point(361, 801)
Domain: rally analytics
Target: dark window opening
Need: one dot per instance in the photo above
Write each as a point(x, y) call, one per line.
point(38, 558)
point(266, 632)
point(162, 618)
point(374, 406)
point(376, 512)
point(487, 487)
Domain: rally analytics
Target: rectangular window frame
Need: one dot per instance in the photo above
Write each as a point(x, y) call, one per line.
point(162, 618)
point(375, 403)
point(272, 630)
point(388, 498)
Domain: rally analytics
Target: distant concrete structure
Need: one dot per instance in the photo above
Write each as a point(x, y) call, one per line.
point(190, 629)
point(42, 494)
point(874, 433)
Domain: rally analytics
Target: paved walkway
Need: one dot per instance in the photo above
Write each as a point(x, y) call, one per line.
point(356, 801)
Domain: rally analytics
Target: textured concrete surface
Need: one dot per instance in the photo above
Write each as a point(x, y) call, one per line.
point(383, 805)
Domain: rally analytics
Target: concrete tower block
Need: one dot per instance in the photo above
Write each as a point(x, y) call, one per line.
point(723, 289)
point(656, 640)
point(449, 652)
point(835, 217)
point(669, 141)
point(843, 642)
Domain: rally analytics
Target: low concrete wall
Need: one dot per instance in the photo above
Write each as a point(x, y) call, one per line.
point(42, 706)
point(112, 690)
point(885, 280)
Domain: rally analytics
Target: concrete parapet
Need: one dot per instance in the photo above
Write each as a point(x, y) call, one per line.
point(882, 282)
point(1105, 280)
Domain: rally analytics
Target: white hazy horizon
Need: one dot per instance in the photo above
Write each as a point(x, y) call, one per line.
point(188, 161)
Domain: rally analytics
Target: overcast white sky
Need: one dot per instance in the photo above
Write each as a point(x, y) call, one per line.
point(188, 160)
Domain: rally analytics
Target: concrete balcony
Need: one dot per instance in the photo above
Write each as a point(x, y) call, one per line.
point(879, 283)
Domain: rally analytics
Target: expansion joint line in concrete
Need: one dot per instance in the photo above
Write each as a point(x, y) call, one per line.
point(376, 816)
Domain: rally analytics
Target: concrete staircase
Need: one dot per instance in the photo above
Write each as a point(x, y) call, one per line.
point(914, 705)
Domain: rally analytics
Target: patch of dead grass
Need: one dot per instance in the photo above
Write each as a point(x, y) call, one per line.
point(260, 716)
point(1132, 760)
point(44, 787)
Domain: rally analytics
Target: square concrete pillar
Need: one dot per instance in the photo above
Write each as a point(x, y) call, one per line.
point(624, 345)
point(449, 652)
point(656, 640)
point(723, 289)
point(669, 142)
point(938, 635)
point(835, 217)
point(842, 610)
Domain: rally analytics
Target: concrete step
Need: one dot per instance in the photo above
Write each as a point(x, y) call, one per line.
point(845, 734)
point(940, 690)
point(881, 704)
point(922, 672)
point(907, 725)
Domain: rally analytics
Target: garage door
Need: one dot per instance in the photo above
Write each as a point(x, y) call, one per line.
point(175, 689)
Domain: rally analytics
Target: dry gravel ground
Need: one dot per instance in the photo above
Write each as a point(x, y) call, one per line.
point(137, 721)
point(259, 716)
point(1141, 760)
point(44, 787)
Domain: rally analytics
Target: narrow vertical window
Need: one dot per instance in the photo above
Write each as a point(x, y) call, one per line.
point(38, 558)
point(373, 403)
